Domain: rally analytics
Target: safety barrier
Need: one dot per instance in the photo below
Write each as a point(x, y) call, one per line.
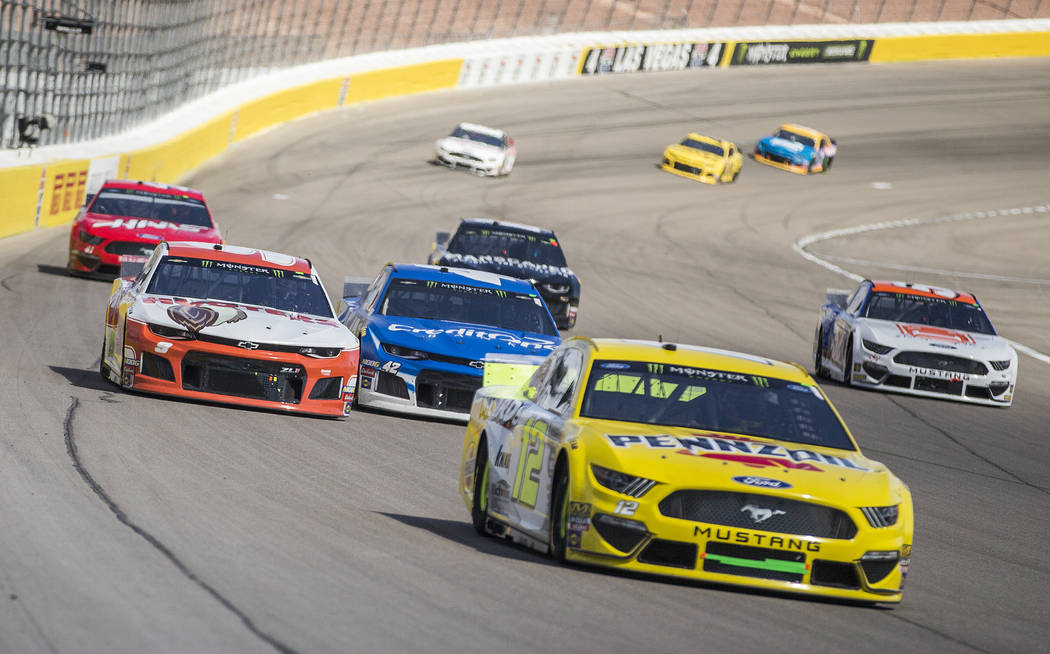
point(46, 186)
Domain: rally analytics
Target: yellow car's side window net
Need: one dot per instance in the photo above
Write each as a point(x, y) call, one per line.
point(634, 385)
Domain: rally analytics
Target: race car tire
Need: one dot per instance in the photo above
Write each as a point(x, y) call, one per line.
point(735, 175)
point(827, 164)
point(103, 369)
point(357, 389)
point(479, 506)
point(559, 512)
point(120, 371)
point(818, 356)
point(847, 366)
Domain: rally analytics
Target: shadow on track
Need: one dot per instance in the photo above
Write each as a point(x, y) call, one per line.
point(463, 533)
point(89, 379)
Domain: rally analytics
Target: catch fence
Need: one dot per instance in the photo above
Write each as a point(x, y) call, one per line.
point(78, 70)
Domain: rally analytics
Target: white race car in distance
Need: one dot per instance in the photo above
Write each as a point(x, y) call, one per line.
point(482, 150)
point(916, 339)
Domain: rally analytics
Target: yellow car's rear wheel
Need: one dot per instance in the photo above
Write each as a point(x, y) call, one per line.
point(559, 512)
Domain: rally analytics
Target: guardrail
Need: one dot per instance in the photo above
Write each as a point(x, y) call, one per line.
point(46, 186)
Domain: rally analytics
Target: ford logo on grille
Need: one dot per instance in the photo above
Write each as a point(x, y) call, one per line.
point(761, 482)
point(248, 345)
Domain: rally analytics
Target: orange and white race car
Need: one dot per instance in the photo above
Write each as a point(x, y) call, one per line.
point(911, 338)
point(229, 324)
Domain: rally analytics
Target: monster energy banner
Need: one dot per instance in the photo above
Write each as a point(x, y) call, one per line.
point(648, 58)
point(800, 52)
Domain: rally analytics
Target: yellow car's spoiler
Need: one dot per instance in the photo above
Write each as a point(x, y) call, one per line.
point(509, 369)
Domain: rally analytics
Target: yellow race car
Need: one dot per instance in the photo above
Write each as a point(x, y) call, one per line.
point(797, 149)
point(687, 462)
point(705, 159)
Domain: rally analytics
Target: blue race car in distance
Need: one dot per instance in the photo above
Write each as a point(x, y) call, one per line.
point(426, 331)
point(797, 149)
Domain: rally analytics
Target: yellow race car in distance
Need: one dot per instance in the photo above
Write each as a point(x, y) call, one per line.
point(705, 159)
point(687, 462)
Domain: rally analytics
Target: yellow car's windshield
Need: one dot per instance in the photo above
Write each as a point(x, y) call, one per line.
point(716, 400)
point(705, 147)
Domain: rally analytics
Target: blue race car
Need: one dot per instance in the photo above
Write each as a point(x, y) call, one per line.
point(426, 332)
point(797, 149)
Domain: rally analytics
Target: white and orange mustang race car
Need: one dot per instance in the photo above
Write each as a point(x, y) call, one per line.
point(915, 339)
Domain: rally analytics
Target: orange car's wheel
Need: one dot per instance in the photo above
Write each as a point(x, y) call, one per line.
point(103, 369)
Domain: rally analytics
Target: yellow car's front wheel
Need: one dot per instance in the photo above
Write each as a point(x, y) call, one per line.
point(479, 507)
point(559, 512)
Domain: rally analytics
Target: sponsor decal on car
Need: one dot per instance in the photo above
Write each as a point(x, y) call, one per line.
point(579, 518)
point(760, 540)
point(527, 342)
point(196, 317)
point(940, 374)
point(144, 223)
point(761, 482)
point(747, 452)
point(936, 334)
point(174, 301)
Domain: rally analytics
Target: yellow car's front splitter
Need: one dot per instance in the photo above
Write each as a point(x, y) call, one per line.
point(633, 535)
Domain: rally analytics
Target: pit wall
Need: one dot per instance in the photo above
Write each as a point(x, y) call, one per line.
point(45, 187)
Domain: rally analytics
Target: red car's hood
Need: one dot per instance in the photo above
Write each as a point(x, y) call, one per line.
point(146, 230)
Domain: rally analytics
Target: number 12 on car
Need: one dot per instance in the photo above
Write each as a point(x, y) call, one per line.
point(527, 479)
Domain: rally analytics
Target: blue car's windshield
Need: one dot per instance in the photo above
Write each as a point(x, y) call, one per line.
point(716, 400)
point(432, 300)
point(797, 138)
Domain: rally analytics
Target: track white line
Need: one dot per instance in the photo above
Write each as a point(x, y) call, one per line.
point(804, 242)
point(940, 271)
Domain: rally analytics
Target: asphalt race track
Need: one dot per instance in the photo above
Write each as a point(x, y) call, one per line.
point(132, 523)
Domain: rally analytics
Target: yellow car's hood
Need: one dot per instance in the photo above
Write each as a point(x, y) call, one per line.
point(691, 458)
point(695, 157)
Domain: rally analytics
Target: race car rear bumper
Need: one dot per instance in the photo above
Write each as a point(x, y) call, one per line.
point(231, 375)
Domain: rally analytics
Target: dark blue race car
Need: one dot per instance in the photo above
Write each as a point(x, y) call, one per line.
point(426, 332)
point(521, 251)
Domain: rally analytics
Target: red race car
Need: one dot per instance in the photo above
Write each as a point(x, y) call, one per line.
point(128, 218)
